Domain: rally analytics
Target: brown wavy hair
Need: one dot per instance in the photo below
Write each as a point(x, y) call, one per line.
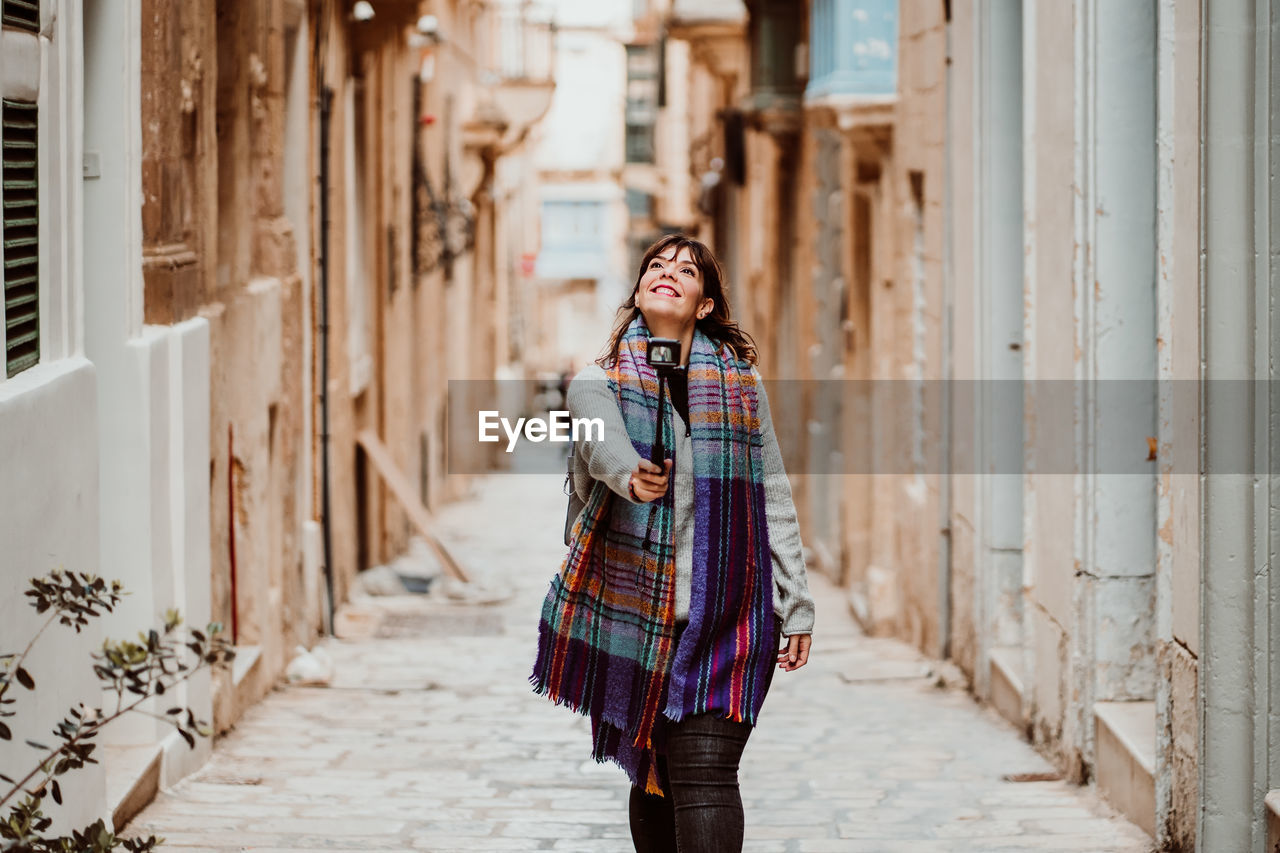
point(717, 325)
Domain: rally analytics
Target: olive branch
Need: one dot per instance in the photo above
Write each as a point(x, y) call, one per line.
point(155, 664)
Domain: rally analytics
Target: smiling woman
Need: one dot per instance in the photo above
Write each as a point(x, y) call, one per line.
point(670, 646)
point(680, 288)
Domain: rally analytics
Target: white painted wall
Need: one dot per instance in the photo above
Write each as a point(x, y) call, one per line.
point(1240, 668)
point(1063, 289)
point(997, 280)
point(49, 520)
point(49, 496)
point(1120, 345)
point(188, 471)
point(152, 385)
point(113, 303)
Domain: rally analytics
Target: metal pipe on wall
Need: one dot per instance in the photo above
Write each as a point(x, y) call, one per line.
point(943, 650)
point(326, 107)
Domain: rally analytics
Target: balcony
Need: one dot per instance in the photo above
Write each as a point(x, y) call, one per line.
point(853, 51)
point(776, 36)
point(715, 30)
point(524, 40)
point(716, 14)
point(519, 47)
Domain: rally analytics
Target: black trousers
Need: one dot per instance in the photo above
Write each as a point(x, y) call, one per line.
point(699, 770)
point(703, 813)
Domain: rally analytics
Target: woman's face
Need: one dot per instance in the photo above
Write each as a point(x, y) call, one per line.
point(671, 289)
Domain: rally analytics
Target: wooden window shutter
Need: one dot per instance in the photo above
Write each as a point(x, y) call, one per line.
point(20, 200)
point(21, 14)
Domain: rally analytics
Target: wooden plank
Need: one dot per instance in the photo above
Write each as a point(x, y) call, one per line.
point(404, 492)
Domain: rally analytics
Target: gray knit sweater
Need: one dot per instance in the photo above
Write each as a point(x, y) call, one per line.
point(613, 459)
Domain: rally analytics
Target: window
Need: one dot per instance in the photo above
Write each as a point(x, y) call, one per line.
point(21, 14)
point(19, 211)
point(20, 202)
point(775, 33)
point(573, 226)
point(640, 147)
point(41, 160)
point(639, 204)
point(575, 238)
point(642, 101)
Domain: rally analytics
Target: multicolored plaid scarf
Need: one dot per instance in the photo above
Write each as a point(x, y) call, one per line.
point(607, 638)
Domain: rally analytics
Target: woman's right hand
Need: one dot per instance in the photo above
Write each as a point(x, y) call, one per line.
point(648, 481)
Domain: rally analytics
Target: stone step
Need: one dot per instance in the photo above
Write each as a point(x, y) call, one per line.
point(1126, 759)
point(133, 779)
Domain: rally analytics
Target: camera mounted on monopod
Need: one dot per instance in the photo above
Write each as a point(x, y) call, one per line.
point(663, 356)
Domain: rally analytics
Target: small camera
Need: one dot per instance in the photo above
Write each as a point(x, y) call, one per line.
point(663, 356)
point(664, 353)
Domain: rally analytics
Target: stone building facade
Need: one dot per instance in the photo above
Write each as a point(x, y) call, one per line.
point(259, 238)
point(1008, 254)
point(819, 178)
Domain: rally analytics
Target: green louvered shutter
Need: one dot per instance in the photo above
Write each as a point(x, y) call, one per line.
point(21, 204)
point(22, 14)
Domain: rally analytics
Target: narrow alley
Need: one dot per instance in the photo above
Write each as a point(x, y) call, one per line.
point(271, 269)
point(429, 738)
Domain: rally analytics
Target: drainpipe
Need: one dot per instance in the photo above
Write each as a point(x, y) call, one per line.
point(948, 296)
point(326, 104)
point(231, 532)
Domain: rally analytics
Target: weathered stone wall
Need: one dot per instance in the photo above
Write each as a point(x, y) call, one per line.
point(918, 176)
point(1178, 196)
point(408, 312)
point(215, 242)
point(1051, 352)
point(179, 212)
point(832, 283)
point(966, 540)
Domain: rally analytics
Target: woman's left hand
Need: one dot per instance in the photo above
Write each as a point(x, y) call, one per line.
point(795, 653)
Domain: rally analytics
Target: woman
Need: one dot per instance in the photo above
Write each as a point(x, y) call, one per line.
point(663, 624)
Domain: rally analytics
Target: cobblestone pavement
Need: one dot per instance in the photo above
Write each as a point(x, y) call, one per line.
point(429, 738)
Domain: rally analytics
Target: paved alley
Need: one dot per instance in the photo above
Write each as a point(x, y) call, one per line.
point(429, 738)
